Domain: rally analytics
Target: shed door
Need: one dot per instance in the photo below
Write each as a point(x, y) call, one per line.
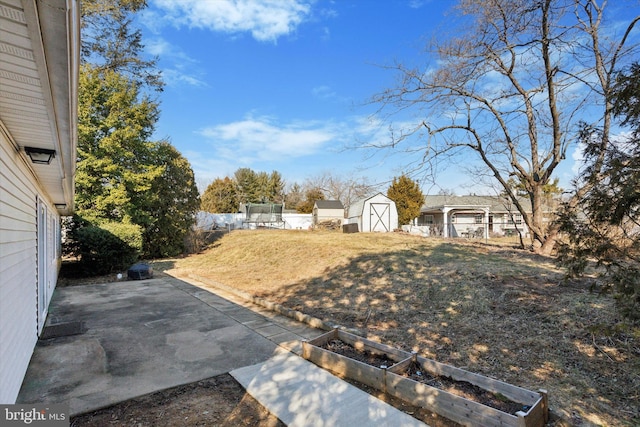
point(380, 216)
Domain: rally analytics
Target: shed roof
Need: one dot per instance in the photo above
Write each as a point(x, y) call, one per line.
point(357, 208)
point(329, 204)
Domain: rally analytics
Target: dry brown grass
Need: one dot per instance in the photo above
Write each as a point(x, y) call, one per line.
point(497, 311)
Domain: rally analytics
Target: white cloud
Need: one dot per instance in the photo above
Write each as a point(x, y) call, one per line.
point(261, 139)
point(266, 20)
point(417, 4)
point(578, 159)
point(299, 147)
point(323, 92)
point(159, 47)
point(178, 67)
point(175, 77)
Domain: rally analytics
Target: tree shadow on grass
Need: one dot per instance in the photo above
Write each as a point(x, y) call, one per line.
point(494, 313)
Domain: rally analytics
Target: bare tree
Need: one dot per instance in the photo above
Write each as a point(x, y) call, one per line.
point(347, 189)
point(511, 88)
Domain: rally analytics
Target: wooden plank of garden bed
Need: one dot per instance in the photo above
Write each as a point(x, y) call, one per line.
point(455, 408)
point(538, 414)
point(402, 366)
point(514, 393)
point(344, 367)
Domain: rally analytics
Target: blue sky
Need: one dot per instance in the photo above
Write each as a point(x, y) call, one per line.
point(284, 84)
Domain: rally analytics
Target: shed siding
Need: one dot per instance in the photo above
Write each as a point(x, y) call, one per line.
point(18, 270)
point(328, 214)
point(371, 218)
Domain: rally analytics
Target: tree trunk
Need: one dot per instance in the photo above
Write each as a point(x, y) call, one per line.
point(549, 242)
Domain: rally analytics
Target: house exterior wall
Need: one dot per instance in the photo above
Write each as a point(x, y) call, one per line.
point(508, 224)
point(22, 305)
point(455, 216)
point(466, 224)
point(459, 224)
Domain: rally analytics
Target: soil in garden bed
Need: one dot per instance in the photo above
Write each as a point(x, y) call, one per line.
point(464, 389)
point(414, 372)
point(364, 356)
point(430, 418)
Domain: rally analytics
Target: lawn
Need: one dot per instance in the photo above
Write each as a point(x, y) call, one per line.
point(490, 309)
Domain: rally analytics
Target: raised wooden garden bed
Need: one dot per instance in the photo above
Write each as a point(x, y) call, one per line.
point(461, 396)
point(320, 352)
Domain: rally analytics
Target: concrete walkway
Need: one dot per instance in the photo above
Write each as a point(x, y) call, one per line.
point(137, 337)
point(301, 394)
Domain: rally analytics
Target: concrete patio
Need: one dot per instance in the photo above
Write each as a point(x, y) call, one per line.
point(108, 343)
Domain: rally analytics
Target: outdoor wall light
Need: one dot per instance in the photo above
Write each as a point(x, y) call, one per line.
point(40, 156)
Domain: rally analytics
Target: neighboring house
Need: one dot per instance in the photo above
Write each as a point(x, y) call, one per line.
point(472, 216)
point(377, 213)
point(328, 210)
point(39, 59)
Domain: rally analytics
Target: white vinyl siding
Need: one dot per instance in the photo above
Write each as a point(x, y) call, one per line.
point(38, 100)
point(18, 269)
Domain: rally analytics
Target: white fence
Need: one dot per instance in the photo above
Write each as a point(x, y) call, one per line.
point(290, 221)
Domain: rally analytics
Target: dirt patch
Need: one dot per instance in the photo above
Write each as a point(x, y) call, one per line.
point(217, 401)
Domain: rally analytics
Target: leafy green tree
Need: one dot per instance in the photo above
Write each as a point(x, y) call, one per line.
point(121, 175)
point(608, 226)
point(110, 41)
point(516, 187)
point(113, 169)
point(311, 196)
point(221, 196)
point(126, 184)
point(259, 187)
point(408, 198)
point(275, 187)
point(551, 193)
point(172, 202)
point(104, 248)
point(248, 186)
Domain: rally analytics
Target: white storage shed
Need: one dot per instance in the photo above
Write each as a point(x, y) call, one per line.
point(377, 213)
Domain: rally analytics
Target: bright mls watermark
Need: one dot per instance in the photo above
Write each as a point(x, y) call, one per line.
point(34, 415)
